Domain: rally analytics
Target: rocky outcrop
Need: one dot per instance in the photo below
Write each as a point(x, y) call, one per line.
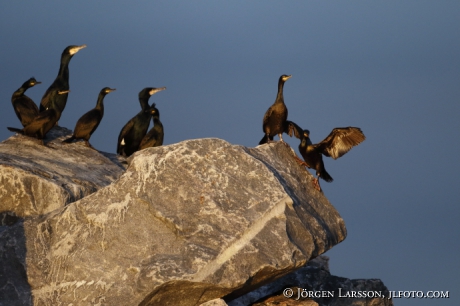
point(185, 224)
point(312, 285)
point(37, 179)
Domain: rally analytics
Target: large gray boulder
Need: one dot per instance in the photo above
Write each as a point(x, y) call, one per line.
point(185, 224)
point(37, 179)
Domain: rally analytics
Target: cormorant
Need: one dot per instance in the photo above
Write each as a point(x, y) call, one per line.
point(89, 122)
point(41, 123)
point(50, 99)
point(336, 144)
point(144, 96)
point(274, 122)
point(154, 137)
point(24, 107)
point(132, 133)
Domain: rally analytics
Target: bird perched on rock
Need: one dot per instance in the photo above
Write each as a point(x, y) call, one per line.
point(42, 123)
point(274, 122)
point(51, 99)
point(154, 137)
point(335, 145)
point(24, 107)
point(89, 122)
point(134, 131)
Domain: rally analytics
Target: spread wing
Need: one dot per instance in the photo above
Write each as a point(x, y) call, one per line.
point(340, 141)
point(293, 129)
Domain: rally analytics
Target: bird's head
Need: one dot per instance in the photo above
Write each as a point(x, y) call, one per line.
point(285, 77)
point(32, 82)
point(107, 90)
point(148, 91)
point(153, 111)
point(71, 50)
point(306, 133)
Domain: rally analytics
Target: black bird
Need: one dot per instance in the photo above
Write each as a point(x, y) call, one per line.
point(50, 99)
point(335, 145)
point(42, 123)
point(274, 122)
point(154, 137)
point(144, 96)
point(24, 107)
point(89, 122)
point(132, 133)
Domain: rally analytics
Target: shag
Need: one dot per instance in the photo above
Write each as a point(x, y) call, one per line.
point(144, 96)
point(89, 122)
point(42, 123)
point(335, 145)
point(274, 122)
point(154, 137)
point(24, 107)
point(132, 133)
point(50, 99)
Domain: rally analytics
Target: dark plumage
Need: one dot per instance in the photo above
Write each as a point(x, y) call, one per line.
point(132, 133)
point(42, 123)
point(274, 122)
point(145, 94)
point(336, 144)
point(89, 122)
point(24, 107)
point(50, 98)
point(154, 137)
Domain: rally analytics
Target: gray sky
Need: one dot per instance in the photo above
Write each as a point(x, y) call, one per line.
point(391, 68)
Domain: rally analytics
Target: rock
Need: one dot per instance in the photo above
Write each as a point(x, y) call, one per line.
point(185, 224)
point(280, 300)
point(216, 302)
point(291, 280)
point(38, 179)
point(319, 287)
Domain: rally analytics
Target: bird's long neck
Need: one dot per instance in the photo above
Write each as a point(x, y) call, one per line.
point(280, 97)
point(157, 123)
point(305, 142)
point(64, 67)
point(100, 102)
point(20, 91)
point(144, 101)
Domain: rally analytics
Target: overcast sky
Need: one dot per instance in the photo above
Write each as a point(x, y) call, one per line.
point(391, 68)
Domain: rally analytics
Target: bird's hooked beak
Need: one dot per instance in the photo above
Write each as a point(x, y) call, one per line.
point(287, 77)
point(76, 49)
point(110, 90)
point(155, 90)
point(306, 134)
point(36, 82)
point(63, 92)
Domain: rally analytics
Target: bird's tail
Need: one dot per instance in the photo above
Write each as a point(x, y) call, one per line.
point(69, 140)
point(265, 139)
point(16, 130)
point(325, 176)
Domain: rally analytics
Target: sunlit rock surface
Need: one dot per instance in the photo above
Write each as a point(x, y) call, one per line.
point(185, 224)
point(37, 179)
